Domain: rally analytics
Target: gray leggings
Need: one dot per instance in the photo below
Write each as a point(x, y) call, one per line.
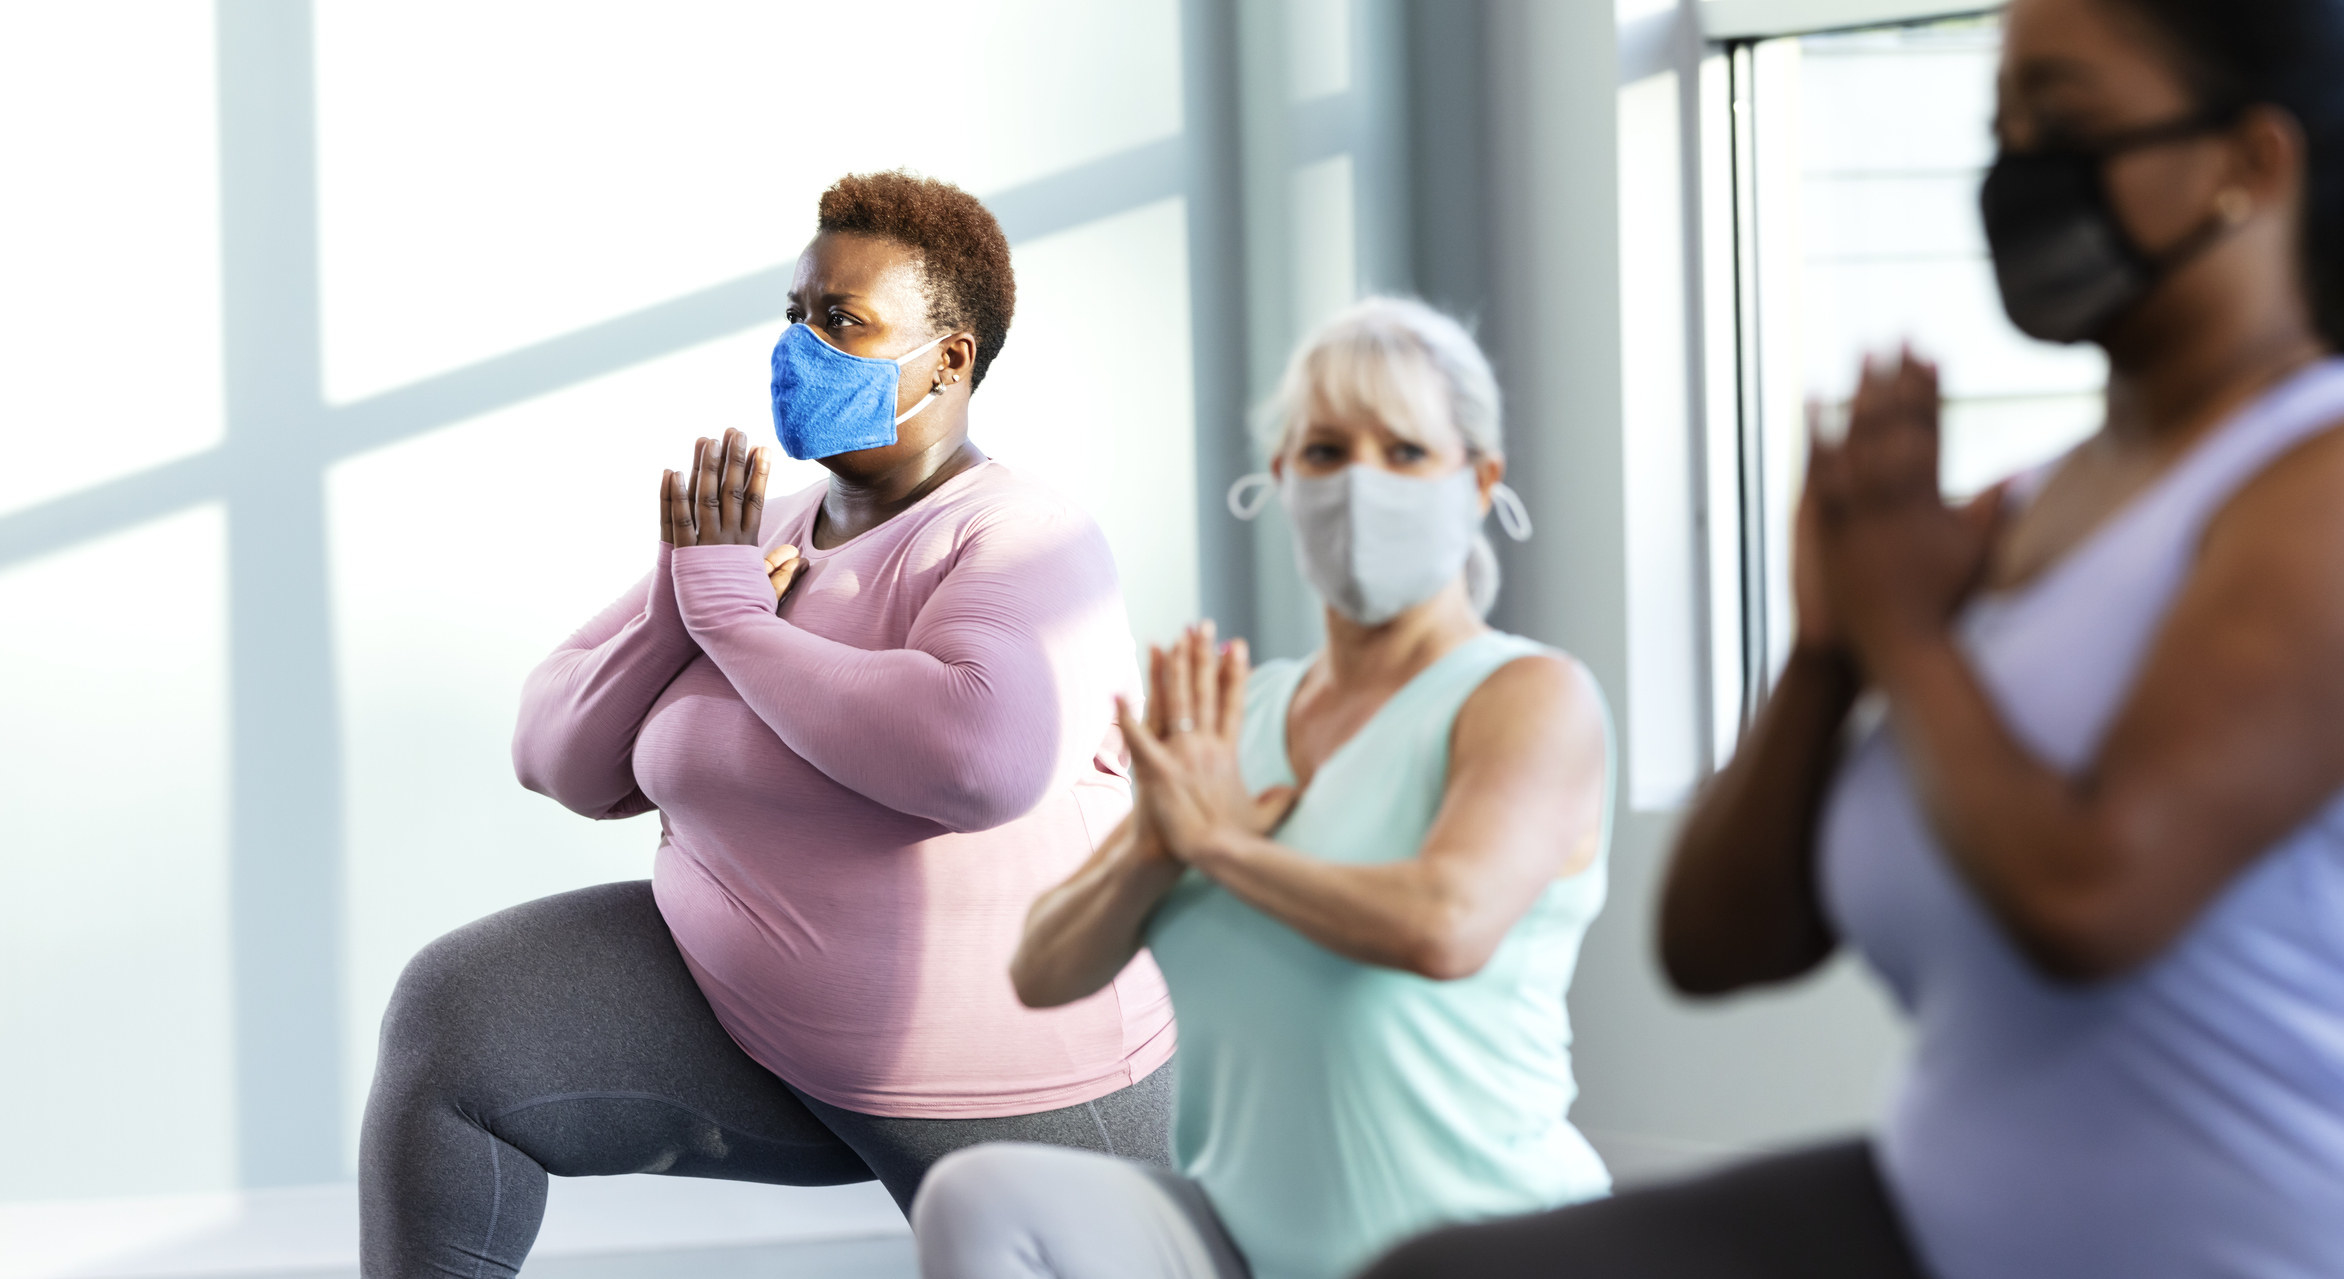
point(566, 1036)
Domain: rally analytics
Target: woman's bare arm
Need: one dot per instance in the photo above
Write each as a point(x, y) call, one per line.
point(1082, 933)
point(1739, 906)
point(2228, 741)
point(1523, 807)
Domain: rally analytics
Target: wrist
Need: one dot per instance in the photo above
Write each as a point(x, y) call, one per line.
point(1901, 660)
point(1219, 849)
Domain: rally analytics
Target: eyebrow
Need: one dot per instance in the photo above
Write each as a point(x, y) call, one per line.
point(836, 295)
point(2037, 74)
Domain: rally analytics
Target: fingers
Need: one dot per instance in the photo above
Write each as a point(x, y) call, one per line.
point(1236, 666)
point(1179, 691)
point(782, 566)
point(1891, 448)
point(1147, 754)
point(1155, 721)
point(1204, 676)
point(679, 511)
point(753, 503)
point(692, 477)
point(667, 524)
point(733, 488)
point(708, 490)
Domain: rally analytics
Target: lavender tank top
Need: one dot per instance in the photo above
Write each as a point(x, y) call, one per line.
point(2186, 1119)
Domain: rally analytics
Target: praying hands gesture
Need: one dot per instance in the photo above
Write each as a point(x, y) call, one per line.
point(1883, 559)
point(722, 503)
point(1191, 794)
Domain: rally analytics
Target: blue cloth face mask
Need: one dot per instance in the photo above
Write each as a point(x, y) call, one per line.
point(826, 401)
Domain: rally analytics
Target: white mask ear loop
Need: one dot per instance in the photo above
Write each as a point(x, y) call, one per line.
point(935, 392)
point(1512, 515)
point(1251, 493)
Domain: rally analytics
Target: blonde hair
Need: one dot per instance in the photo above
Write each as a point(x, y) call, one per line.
point(1410, 367)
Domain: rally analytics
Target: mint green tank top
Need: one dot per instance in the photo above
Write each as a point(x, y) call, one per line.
point(1332, 1108)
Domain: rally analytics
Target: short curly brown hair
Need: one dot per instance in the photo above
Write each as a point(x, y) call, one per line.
point(964, 257)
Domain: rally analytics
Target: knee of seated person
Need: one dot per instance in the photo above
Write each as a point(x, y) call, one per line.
point(976, 1190)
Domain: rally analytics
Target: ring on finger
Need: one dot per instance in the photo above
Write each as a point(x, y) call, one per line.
point(1185, 725)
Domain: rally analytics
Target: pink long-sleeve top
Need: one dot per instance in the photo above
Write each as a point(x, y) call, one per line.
point(860, 796)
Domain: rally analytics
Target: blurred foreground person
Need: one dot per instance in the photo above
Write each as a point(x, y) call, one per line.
point(2095, 840)
point(860, 792)
point(1365, 875)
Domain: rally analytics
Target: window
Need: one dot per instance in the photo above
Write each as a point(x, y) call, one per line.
point(1855, 158)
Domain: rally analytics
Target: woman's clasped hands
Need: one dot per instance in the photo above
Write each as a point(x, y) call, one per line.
point(1882, 562)
point(1192, 799)
point(722, 503)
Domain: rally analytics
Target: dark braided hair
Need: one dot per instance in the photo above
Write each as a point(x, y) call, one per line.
point(2289, 54)
point(964, 257)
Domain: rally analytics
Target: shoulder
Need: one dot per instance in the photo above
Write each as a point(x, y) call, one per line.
point(2283, 529)
point(997, 504)
point(1539, 695)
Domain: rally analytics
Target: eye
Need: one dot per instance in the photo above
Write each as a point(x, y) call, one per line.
point(840, 320)
point(1321, 454)
point(1406, 453)
point(792, 315)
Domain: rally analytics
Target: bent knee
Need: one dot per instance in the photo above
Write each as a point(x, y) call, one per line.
point(978, 1207)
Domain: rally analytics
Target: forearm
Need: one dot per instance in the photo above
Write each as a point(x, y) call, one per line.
point(1404, 914)
point(2024, 836)
point(1740, 905)
point(961, 743)
point(582, 707)
point(1082, 933)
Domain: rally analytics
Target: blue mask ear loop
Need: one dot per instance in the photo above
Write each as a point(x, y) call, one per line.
point(1251, 493)
point(1512, 515)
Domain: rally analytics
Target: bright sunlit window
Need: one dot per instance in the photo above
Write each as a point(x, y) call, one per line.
point(1856, 208)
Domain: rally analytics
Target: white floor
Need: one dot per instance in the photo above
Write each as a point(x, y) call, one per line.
point(595, 1228)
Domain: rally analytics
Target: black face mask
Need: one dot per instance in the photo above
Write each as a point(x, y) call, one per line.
point(2065, 266)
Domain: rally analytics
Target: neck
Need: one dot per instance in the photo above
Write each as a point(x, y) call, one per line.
point(2172, 376)
point(1397, 649)
point(860, 501)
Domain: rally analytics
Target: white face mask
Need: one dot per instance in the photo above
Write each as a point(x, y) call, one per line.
point(1374, 544)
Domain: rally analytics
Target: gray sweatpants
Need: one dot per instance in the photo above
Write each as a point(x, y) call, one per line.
point(566, 1036)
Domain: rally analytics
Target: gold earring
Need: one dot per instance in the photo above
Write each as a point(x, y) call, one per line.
point(2233, 204)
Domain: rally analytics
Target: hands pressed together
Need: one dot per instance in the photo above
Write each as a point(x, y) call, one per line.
point(1192, 800)
point(1880, 560)
point(722, 503)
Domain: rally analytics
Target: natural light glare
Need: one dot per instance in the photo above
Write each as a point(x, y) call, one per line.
point(109, 280)
point(1663, 712)
point(1074, 404)
point(497, 175)
point(1318, 48)
point(1325, 241)
point(114, 979)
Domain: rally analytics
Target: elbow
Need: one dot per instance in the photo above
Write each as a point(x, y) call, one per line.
point(580, 790)
point(1704, 958)
point(2086, 938)
point(975, 794)
point(1033, 985)
point(1039, 983)
point(1447, 947)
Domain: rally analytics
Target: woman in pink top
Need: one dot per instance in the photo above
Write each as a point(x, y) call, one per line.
point(877, 721)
